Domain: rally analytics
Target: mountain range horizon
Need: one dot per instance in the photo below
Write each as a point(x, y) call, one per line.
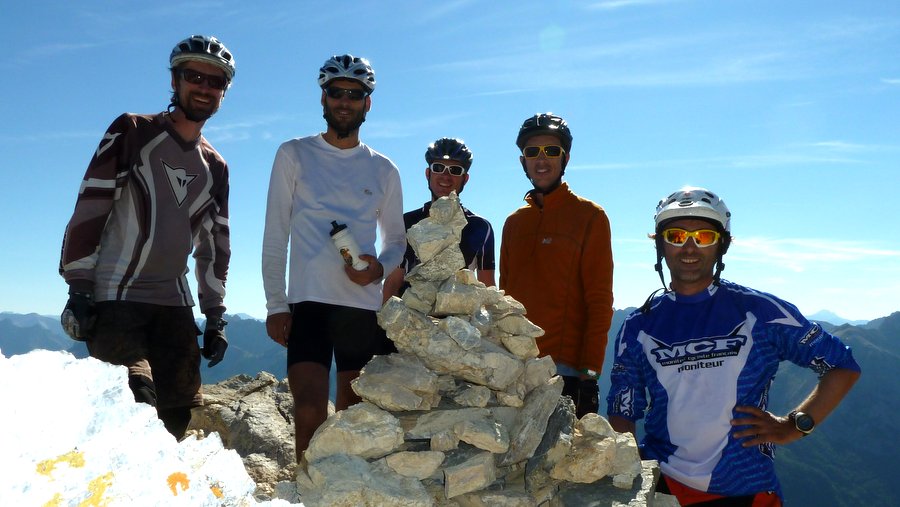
point(823, 315)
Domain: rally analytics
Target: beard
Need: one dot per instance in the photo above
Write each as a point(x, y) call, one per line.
point(198, 112)
point(195, 111)
point(343, 128)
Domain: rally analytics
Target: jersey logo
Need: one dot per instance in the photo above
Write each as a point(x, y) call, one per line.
point(179, 180)
point(820, 366)
point(813, 332)
point(106, 143)
point(699, 349)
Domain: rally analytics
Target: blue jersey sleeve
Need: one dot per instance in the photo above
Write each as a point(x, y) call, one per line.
point(627, 393)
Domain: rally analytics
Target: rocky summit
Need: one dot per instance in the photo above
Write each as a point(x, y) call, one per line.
point(465, 414)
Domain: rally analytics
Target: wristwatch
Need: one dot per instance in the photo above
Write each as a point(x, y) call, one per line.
point(802, 421)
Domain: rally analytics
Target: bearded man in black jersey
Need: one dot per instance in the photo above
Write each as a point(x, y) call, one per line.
point(154, 193)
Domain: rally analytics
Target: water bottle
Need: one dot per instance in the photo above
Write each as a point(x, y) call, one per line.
point(346, 246)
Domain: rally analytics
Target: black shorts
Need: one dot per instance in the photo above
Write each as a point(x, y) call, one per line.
point(156, 343)
point(320, 330)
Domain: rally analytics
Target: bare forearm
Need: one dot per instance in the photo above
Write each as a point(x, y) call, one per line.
point(828, 393)
point(392, 284)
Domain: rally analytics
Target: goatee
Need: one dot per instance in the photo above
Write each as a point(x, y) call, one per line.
point(343, 129)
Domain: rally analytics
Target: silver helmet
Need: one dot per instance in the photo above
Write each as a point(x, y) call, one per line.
point(693, 202)
point(204, 49)
point(347, 67)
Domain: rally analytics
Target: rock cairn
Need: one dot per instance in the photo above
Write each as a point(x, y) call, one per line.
point(466, 413)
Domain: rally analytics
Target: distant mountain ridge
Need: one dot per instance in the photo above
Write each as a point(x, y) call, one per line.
point(848, 461)
point(833, 318)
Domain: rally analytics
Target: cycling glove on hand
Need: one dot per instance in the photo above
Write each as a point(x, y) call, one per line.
point(214, 342)
point(79, 316)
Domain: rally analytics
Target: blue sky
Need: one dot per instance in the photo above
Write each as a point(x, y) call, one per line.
point(788, 110)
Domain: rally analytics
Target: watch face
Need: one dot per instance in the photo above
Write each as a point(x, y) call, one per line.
point(804, 422)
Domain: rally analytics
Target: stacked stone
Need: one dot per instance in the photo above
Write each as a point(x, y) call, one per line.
point(466, 413)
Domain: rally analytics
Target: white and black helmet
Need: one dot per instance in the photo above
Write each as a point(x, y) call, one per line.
point(204, 49)
point(347, 67)
point(693, 202)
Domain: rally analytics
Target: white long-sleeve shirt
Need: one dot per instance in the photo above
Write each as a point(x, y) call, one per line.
point(314, 183)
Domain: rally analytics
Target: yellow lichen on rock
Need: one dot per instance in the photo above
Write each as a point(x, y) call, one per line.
point(74, 459)
point(178, 479)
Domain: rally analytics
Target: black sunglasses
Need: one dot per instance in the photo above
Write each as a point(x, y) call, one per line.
point(550, 151)
point(455, 170)
point(196, 77)
point(353, 94)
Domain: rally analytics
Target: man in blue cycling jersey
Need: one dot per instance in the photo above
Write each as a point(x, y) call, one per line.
point(697, 361)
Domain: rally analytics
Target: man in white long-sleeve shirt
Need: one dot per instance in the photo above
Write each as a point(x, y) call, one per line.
point(328, 308)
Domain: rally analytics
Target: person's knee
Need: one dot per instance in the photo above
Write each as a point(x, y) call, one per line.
point(143, 389)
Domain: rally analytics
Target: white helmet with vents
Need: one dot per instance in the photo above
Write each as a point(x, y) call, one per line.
point(205, 49)
point(693, 202)
point(347, 67)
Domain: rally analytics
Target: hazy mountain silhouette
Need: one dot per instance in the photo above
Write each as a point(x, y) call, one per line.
point(845, 462)
point(834, 319)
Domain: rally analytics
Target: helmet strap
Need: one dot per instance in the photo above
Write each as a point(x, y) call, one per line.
point(659, 270)
point(719, 267)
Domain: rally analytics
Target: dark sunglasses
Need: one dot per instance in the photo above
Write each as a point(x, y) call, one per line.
point(196, 77)
point(352, 94)
point(455, 170)
point(551, 151)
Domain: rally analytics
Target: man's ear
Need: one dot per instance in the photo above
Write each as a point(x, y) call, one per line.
point(368, 102)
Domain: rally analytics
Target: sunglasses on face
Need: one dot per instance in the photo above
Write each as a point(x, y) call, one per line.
point(353, 94)
point(195, 77)
point(702, 238)
point(455, 170)
point(550, 151)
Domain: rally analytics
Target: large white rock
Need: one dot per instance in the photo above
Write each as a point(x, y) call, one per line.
point(397, 382)
point(73, 435)
point(342, 480)
point(362, 430)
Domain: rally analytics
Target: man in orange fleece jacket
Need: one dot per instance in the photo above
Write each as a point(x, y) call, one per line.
point(556, 259)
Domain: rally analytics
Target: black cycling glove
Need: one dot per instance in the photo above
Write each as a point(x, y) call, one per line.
point(214, 342)
point(79, 316)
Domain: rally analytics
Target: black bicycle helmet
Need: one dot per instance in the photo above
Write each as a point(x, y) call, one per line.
point(447, 148)
point(545, 123)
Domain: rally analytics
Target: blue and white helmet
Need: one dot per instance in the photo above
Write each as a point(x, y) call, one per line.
point(347, 67)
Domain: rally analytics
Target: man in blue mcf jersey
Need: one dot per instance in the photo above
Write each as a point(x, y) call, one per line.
point(702, 356)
